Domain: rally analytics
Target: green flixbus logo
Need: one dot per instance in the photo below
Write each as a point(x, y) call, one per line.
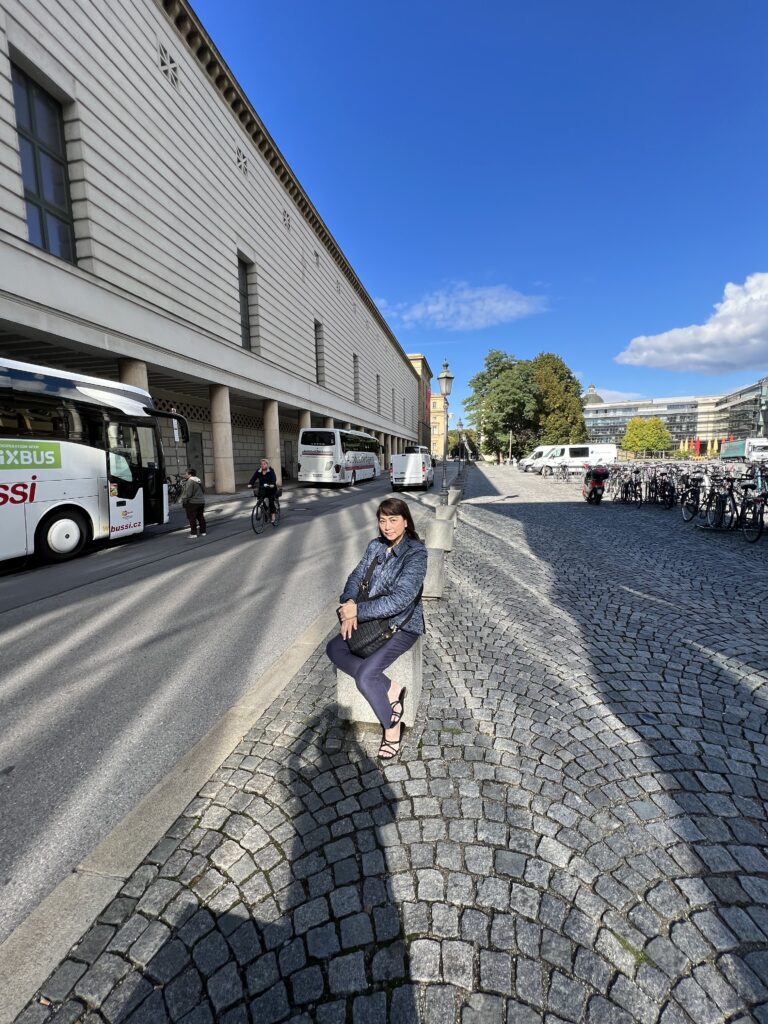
point(18, 455)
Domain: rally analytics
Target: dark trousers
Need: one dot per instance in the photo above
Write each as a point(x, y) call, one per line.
point(368, 673)
point(195, 517)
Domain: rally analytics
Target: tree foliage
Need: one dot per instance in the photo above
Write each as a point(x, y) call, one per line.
point(646, 435)
point(533, 400)
point(472, 442)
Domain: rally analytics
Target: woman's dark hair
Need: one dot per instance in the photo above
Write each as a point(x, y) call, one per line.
point(398, 507)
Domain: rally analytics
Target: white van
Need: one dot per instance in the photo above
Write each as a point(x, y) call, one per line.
point(574, 456)
point(532, 462)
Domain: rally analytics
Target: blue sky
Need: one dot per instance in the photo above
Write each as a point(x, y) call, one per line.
point(534, 176)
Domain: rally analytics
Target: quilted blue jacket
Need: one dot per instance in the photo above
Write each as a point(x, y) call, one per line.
point(394, 584)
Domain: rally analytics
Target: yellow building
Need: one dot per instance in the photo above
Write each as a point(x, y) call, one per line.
point(437, 417)
point(423, 425)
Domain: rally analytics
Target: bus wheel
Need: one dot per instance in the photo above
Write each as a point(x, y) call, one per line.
point(61, 536)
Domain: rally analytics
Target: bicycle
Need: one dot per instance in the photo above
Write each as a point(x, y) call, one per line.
point(260, 514)
point(175, 485)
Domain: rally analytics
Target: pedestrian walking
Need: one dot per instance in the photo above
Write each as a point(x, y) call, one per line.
point(193, 500)
point(381, 617)
point(264, 481)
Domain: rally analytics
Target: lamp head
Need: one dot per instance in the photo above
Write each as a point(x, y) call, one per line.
point(445, 380)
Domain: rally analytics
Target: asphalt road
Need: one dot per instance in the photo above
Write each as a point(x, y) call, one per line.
point(116, 664)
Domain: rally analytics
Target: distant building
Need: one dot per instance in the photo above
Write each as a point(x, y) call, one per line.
point(438, 414)
point(742, 413)
point(424, 410)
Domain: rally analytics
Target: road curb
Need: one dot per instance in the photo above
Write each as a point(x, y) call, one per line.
point(43, 939)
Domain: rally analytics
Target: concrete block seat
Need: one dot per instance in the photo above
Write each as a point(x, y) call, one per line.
point(447, 512)
point(406, 671)
point(435, 578)
point(440, 535)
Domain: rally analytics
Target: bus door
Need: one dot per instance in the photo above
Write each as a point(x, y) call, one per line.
point(152, 475)
point(124, 471)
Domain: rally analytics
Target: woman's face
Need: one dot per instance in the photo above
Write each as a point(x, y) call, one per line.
point(264, 467)
point(392, 527)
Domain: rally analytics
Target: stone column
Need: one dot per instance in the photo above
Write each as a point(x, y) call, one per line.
point(221, 425)
point(328, 423)
point(347, 426)
point(382, 456)
point(272, 436)
point(133, 372)
point(305, 419)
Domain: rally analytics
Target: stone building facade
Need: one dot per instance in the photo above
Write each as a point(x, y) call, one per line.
point(151, 231)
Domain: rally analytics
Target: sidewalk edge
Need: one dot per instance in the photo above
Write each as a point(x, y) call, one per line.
point(37, 946)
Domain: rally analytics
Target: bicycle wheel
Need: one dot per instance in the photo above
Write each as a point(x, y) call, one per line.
point(277, 511)
point(731, 517)
point(258, 518)
point(715, 510)
point(638, 494)
point(690, 504)
point(669, 496)
point(752, 520)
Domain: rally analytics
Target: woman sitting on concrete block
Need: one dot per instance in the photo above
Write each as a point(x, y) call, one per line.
point(381, 617)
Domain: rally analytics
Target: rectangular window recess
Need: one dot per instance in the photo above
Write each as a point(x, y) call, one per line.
point(40, 129)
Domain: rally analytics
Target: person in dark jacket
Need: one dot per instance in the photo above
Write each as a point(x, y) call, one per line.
point(401, 565)
point(265, 481)
point(193, 500)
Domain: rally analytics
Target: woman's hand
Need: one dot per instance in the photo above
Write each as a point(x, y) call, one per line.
point(348, 616)
point(347, 627)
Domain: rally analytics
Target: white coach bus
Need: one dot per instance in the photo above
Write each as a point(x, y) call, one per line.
point(337, 456)
point(80, 460)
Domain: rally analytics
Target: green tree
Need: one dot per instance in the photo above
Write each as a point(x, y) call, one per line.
point(561, 417)
point(472, 443)
point(646, 435)
point(524, 402)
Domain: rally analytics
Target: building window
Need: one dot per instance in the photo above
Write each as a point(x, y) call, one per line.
point(378, 393)
point(243, 268)
point(242, 161)
point(355, 378)
point(319, 353)
point(40, 127)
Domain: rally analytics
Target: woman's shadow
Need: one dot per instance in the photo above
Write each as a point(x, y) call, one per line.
point(268, 900)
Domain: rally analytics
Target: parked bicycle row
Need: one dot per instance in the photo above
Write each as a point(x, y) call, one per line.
point(714, 496)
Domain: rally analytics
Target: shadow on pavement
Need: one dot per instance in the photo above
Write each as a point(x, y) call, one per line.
point(269, 899)
point(636, 720)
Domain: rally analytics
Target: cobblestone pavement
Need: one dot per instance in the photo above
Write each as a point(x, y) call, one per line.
point(576, 831)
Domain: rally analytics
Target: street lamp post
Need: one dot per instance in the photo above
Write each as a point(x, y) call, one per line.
point(460, 428)
point(445, 380)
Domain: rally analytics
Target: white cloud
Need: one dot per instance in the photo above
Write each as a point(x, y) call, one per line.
point(734, 338)
point(460, 307)
point(609, 395)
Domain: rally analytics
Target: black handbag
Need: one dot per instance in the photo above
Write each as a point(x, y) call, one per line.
point(373, 634)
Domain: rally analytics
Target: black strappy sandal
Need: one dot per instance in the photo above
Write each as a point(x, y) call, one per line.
point(390, 749)
point(397, 715)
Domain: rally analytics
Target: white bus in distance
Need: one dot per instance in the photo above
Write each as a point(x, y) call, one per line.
point(335, 456)
point(80, 460)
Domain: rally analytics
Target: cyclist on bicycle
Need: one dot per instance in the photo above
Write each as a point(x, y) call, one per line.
point(266, 481)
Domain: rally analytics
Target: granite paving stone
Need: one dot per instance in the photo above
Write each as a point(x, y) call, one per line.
point(575, 830)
